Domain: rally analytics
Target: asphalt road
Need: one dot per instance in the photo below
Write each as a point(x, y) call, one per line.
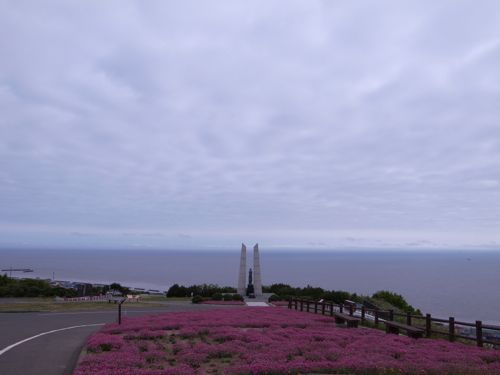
point(57, 353)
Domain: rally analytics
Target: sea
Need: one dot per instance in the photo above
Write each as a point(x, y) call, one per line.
point(463, 284)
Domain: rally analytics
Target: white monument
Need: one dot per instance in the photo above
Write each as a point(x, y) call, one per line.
point(243, 271)
point(257, 282)
point(257, 278)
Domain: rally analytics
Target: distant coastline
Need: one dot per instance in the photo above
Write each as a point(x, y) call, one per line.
point(442, 283)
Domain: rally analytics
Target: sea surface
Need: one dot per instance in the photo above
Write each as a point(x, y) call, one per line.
point(463, 284)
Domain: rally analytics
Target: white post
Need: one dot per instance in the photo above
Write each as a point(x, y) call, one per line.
point(257, 280)
point(243, 274)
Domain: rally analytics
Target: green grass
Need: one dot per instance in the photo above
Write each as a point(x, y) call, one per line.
point(178, 299)
point(147, 297)
point(49, 305)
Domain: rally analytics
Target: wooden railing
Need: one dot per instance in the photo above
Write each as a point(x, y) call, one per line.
point(85, 299)
point(431, 325)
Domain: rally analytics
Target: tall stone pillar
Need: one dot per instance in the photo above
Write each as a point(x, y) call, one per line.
point(257, 280)
point(243, 271)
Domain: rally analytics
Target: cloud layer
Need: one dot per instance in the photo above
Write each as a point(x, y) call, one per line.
point(305, 124)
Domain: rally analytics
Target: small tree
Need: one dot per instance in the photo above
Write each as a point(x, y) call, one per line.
point(118, 287)
point(177, 290)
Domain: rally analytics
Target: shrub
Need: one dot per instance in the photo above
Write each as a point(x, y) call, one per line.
point(237, 297)
point(31, 288)
point(396, 300)
point(197, 299)
point(227, 297)
point(204, 290)
point(217, 297)
point(274, 297)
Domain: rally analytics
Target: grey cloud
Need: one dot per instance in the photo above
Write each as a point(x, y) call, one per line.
point(235, 118)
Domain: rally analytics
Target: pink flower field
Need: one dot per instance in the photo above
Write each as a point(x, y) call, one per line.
point(270, 340)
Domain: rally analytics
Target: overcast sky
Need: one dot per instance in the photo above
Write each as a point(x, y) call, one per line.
point(298, 124)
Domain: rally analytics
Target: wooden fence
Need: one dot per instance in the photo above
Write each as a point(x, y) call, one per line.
point(86, 299)
point(450, 328)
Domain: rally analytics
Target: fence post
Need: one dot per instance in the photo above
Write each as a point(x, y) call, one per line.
point(296, 304)
point(322, 308)
point(408, 319)
point(451, 328)
point(391, 315)
point(428, 322)
point(331, 309)
point(301, 305)
point(362, 313)
point(351, 311)
point(341, 308)
point(376, 318)
point(307, 304)
point(479, 333)
point(315, 307)
point(120, 310)
point(290, 303)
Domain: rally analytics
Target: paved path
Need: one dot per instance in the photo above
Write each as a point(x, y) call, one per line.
point(257, 304)
point(56, 353)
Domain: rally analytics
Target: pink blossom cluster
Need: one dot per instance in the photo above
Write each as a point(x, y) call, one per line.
point(212, 302)
point(270, 341)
